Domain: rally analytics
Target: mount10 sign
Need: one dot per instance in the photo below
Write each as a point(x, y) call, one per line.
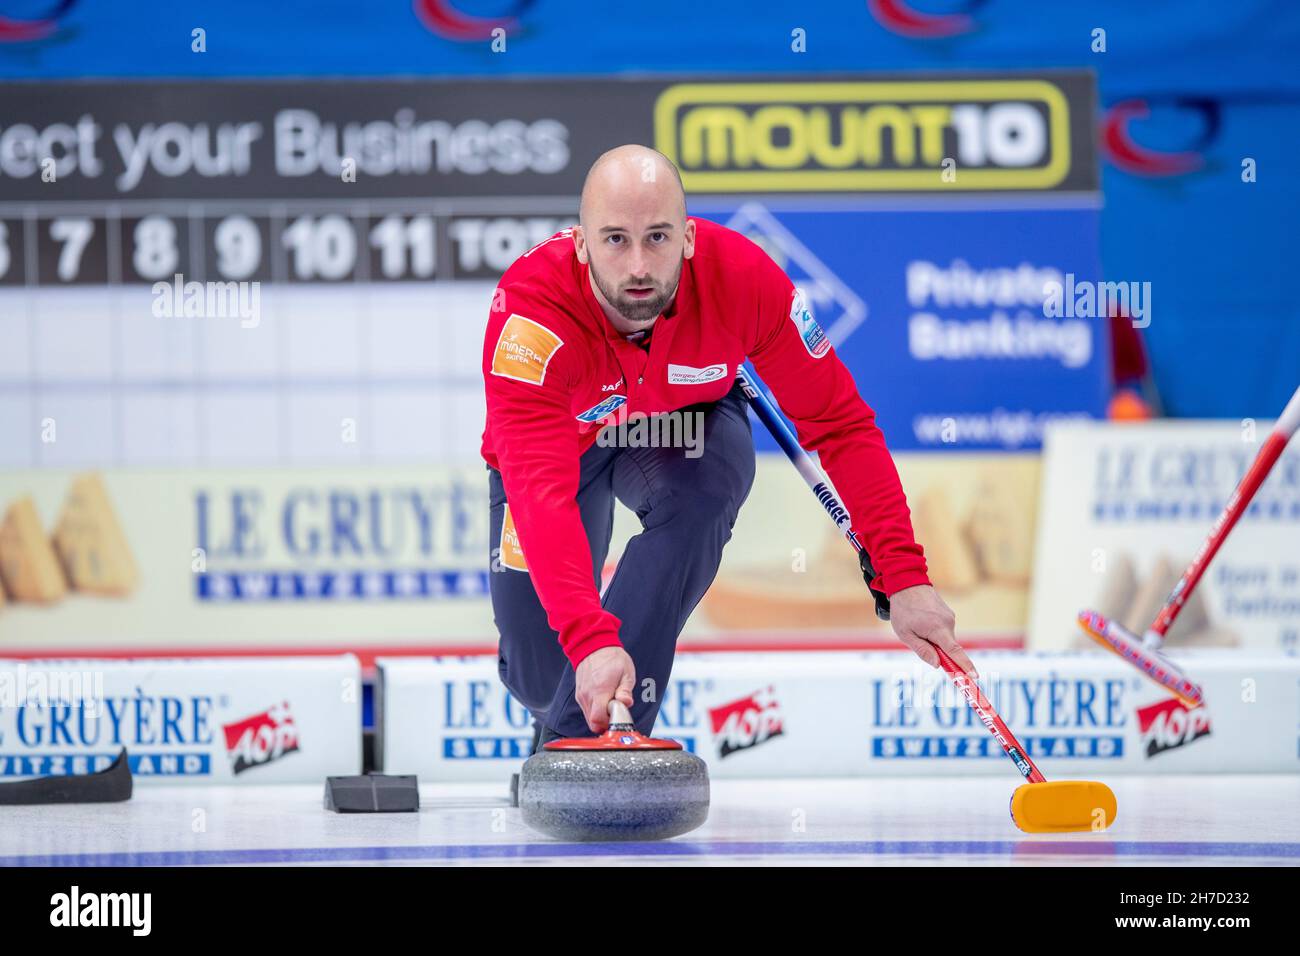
point(359, 140)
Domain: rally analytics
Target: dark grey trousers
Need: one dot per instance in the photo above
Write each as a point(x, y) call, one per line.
point(687, 507)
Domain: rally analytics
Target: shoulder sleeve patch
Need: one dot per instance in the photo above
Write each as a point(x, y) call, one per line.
point(524, 350)
point(810, 333)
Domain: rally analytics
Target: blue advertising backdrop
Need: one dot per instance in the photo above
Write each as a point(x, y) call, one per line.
point(951, 350)
point(1199, 119)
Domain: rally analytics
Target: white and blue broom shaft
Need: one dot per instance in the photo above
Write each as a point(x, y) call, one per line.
point(812, 475)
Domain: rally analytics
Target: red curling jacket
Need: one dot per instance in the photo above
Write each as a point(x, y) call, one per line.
point(556, 372)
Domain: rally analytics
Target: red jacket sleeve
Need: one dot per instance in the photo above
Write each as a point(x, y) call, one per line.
point(817, 392)
point(528, 378)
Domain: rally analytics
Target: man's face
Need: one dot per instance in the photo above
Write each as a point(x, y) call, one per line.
point(639, 286)
point(634, 243)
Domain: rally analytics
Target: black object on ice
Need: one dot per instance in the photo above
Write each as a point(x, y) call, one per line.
point(110, 785)
point(372, 793)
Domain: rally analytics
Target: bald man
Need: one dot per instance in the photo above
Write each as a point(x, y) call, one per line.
point(637, 311)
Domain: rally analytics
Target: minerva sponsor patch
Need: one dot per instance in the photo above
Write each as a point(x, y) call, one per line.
point(814, 339)
point(511, 554)
point(524, 350)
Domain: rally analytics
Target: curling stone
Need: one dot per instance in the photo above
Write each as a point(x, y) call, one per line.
point(621, 785)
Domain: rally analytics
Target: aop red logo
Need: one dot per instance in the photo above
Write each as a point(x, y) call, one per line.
point(20, 29)
point(256, 741)
point(747, 722)
point(445, 19)
point(1170, 724)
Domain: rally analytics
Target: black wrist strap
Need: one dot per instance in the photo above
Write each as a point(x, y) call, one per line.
point(869, 575)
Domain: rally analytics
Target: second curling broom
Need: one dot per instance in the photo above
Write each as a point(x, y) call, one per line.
point(1144, 652)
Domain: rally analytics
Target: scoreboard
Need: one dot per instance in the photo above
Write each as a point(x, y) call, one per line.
point(415, 239)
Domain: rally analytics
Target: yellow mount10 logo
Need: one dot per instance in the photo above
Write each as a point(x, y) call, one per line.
point(1011, 134)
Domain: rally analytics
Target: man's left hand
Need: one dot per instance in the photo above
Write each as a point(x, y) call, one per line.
point(923, 621)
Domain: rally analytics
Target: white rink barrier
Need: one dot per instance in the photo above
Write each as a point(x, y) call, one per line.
point(881, 714)
point(183, 721)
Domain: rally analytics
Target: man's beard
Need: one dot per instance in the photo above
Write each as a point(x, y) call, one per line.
point(638, 310)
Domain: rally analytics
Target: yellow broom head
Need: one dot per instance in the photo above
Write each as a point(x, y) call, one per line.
point(1063, 806)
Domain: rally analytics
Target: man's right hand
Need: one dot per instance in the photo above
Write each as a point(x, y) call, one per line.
point(602, 676)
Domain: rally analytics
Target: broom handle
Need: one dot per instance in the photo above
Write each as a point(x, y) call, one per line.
point(990, 719)
point(812, 476)
point(770, 417)
point(1268, 455)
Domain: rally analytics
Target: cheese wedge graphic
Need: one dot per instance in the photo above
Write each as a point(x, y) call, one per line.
point(28, 566)
point(90, 541)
